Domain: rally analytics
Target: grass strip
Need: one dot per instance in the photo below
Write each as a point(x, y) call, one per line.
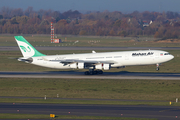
point(97, 102)
point(89, 41)
point(162, 90)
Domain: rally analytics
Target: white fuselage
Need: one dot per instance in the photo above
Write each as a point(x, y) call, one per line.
point(119, 59)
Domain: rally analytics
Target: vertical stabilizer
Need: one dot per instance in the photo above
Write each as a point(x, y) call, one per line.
point(26, 48)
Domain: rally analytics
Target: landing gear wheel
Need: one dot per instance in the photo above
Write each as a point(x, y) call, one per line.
point(92, 72)
point(95, 72)
point(157, 69)
point(86, 73)
point(89, 73)
point(100, 72)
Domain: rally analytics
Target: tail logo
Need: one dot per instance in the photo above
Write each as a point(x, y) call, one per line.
point(28, 49)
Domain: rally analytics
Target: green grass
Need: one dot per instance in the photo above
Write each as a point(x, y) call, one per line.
point(104, 41)
point(163, 90)
point(92, 102)
point(40, 116)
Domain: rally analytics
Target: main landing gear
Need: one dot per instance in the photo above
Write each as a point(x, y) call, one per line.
point(93, 72)
point(157, 67)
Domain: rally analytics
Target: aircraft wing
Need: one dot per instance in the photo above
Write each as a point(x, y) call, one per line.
point(69, 61)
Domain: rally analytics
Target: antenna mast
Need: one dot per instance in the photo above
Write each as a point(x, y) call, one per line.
point(52, 33)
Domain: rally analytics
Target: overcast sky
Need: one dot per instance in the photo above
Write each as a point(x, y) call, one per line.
point(125, 6)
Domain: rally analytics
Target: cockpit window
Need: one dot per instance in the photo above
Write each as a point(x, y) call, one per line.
point(166, 53)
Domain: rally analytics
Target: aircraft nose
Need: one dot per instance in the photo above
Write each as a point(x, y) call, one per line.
point(172, 56)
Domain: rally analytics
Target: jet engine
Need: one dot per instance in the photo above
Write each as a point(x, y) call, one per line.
point(106, 66)
point(73, 65)
point(99, 66)
point(80, 65)
point(103, 66)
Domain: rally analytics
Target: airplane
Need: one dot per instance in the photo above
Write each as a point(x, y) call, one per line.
point(95, 62)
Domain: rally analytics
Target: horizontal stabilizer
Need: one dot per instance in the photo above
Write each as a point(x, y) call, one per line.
point(27, 60)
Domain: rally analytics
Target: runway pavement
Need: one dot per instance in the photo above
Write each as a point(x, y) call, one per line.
point(80, 75)
point(138, 111)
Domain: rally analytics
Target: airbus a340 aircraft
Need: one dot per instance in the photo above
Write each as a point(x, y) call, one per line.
point(95, 62)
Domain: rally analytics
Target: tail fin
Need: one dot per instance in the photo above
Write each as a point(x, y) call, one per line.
point(26, 48)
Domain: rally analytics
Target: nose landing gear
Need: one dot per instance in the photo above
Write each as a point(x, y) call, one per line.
point(157, 67)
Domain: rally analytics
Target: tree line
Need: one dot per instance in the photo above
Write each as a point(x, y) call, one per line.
point(161, 25)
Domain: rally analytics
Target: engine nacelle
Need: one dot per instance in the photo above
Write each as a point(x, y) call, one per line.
point(80, 65)
point(73, 65)
point(106, 66)
point(103, 66)
point(99, 66)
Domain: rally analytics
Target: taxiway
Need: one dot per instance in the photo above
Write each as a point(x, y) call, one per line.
point(138, 111)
